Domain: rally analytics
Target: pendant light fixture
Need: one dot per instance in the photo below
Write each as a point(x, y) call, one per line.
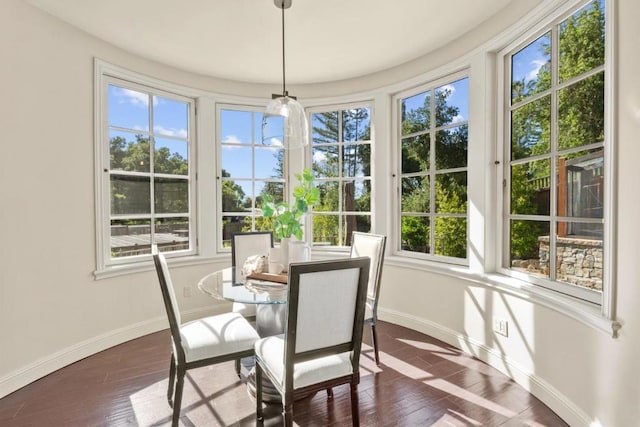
point(284, 123)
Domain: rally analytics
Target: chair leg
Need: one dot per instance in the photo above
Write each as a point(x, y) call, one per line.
point(258, 378)
point(355, 411)
point(287, 413)
point(374, 335)
point(177, 401)
point(238, 367)
point(172, 380)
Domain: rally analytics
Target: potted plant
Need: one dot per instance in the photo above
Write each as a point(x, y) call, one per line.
point(287, 216)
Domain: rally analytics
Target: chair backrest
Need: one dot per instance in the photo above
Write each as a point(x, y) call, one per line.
point(169, 297)
point(372, 246)
point(244, 245)
point(326, 305)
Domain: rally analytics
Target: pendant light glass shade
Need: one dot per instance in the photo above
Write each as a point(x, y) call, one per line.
point(284, 123)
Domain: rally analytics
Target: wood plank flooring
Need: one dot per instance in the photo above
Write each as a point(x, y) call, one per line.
point(420, 382)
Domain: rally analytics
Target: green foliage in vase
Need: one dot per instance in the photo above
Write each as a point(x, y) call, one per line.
point(287, 216)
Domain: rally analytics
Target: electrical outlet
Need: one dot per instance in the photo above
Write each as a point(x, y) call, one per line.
point(186, 292)
point(501, 326)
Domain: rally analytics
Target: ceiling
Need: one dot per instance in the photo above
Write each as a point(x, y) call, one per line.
point(326, 40)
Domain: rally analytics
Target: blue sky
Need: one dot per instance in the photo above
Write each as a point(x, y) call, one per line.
point(458, 97)
point(129, 109)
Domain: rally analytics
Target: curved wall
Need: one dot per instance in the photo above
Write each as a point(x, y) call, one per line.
point(53, 312)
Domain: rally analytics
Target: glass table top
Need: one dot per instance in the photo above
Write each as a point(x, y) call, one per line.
point(220, 285)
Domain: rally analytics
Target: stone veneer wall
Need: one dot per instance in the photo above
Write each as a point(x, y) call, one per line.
point(578, 260)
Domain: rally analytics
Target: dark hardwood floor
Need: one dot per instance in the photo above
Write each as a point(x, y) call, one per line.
point(420, 382)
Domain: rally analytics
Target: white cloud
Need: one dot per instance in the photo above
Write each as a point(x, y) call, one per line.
point(135, 98)
point(319, 157)
point(450, 88)
point(537, 64)
point(181, 133)
point(276, 142)
point(458, 118)
point(232, 139)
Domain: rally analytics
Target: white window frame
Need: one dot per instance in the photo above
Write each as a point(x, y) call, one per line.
point(339, 107)
point(397, 112)
point(605, 304)
point(106, 74)
point(219, 144)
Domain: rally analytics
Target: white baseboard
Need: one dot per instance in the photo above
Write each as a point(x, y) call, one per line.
point(46, 365)
point(535, 385)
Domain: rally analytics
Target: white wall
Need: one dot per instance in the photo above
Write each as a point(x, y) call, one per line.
point(54, 312)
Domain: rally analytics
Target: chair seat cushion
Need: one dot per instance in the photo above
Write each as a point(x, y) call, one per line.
point(270, 351)
point(216, 336)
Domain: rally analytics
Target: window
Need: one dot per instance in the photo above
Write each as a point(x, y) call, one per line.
point(145, 173)
point(433, 135)
point(341, 164)
point(247, 171)
point(554, 189)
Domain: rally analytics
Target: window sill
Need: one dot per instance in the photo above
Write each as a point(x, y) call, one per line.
point(144, 266)
point(584, 312)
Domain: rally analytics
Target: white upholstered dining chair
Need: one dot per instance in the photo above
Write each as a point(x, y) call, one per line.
point(372, 246)
point(200, 342)
point(321, 345)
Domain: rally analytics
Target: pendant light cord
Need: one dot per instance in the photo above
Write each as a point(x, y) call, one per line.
point(284, 85)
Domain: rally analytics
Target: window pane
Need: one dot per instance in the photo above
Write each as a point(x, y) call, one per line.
point(582, 41)
point(581, 113)
point(237, 161)
point(129, 152)
point(328, 197)
point(325, 161)
point(272, 131)
point(356, 125)
point(171, 195)
point(325, 230)
point(234, 195)
point(351, 223)
point(128, 108)
point(415, 154)
point(581, 184)
point(527, 239)
point(171, 156)
point(170, 117)
point(451, 147)
point(235, 126)
point(356, 159)
point(530, 125)
point(415, 234)
point(451, 237)
point(415, 194)
point(268, 162)
point(530, 183)
point(531, 68)
point(172, 234)
point(325, 127)
point(579, 259)
point(274, 189)
point(233, 224)
point(130, 237)
point(452, 102)
point(356, 196)
point(130, 195)
point(416, 113)
point(451, 192)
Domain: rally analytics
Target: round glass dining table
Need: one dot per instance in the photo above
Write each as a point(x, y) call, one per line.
point(270, 298)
